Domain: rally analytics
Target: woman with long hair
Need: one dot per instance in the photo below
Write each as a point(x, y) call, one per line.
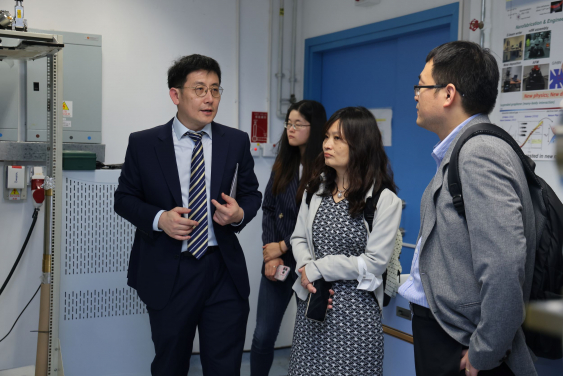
point(298, 148)
point(331, 241)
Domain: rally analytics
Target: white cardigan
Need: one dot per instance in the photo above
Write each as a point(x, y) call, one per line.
point(379, 247)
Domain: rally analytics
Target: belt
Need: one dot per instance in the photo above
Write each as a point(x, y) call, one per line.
point(421, 311)
point(209, 251)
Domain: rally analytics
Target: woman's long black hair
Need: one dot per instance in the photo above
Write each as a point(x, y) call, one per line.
point(289, 157)
point(367, 162)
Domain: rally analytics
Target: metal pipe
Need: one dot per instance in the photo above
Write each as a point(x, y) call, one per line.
point(482, 42)
point(42, 356)
point(292, 78)
point(279, 75)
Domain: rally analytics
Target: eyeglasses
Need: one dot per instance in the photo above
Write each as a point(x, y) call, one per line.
point(295, 127)
point(201, 90)
point(418, 87)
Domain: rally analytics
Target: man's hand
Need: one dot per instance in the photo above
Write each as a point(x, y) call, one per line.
point(228, 213)
point(271, 251)
point(271, 267)
point(465, 365)
point(175, 225)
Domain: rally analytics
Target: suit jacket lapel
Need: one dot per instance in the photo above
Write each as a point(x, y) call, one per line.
point(167, 160)
point(219, 154)
point(428, 202)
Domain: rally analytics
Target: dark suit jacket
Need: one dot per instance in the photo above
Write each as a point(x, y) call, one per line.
point(149, 183)
point(280, 216)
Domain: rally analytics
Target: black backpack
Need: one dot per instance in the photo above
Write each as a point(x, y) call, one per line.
point(547, 280)
point(369, 214)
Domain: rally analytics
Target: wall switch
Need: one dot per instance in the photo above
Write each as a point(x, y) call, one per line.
point(255, 149)
point(269, 150)
point(15, 177)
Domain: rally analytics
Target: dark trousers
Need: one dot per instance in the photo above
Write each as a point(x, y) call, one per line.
point(273, 299)
point(204, 296)
point(435, 352)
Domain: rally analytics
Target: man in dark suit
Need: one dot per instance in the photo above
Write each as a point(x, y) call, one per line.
point(186, 263)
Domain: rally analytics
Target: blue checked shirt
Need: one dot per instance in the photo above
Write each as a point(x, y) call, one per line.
point(412, 290)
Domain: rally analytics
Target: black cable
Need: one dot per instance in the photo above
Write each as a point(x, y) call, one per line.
point(35, 211)
point(21, 314)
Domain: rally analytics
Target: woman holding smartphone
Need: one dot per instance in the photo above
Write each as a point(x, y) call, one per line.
point(332, 242)
point(298, 148)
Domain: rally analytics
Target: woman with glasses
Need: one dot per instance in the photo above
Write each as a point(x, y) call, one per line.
point(300, 144)
point(331, 241)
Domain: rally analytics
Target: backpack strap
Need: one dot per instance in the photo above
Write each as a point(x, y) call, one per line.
point(454, 182)
point(371, 204)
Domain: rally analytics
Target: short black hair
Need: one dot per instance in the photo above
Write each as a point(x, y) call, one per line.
point(178, 72)
point(471, 69)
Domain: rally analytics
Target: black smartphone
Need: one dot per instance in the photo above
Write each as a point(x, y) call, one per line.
point(318, 302)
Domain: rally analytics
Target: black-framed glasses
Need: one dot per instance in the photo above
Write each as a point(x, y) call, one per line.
point(418, 87)
point(295, 127)
point(201, 90)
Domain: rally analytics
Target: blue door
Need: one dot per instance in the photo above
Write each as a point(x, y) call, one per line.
point(382, 74)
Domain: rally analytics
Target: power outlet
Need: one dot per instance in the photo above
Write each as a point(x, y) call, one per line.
point(269, 150)
point(255, 149)
point(15, 183)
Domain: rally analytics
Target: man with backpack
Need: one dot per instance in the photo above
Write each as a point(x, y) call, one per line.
point(471, 273)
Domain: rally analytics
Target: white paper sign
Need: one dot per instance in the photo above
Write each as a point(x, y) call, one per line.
point(67, 123)
point(383, 117)
point(67, 108)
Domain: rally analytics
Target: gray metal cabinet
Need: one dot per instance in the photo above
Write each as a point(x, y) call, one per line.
point(82, 88)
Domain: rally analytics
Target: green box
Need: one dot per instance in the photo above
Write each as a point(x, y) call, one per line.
point(79, 160)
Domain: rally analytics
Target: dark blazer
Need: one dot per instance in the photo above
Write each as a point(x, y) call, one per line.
point(280, 215)
point(149, 183)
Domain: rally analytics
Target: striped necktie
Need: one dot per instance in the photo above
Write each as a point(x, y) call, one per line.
point(197, 244)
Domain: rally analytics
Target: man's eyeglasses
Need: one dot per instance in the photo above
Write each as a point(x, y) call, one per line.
point(201, 90)
point(418, 87)
point(295, 127)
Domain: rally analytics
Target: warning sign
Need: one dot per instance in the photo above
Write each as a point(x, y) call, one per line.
point(67, 108)
point(14, 195)
point(259, 127)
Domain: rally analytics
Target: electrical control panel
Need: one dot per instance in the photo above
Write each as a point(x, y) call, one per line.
point(82, 90)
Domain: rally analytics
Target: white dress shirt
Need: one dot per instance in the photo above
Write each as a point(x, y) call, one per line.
point(183, 148)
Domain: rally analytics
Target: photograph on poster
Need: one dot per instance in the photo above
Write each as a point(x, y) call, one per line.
point(538, 45)
point(513, 49)
point(536, 77)
point(556, 78)
point(511, 79)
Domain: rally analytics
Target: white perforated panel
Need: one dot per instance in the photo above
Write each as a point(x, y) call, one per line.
point(96, 239)
point(101, 303)
point(98, 313)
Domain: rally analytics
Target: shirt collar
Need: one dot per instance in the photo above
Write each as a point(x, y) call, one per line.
point(442, 147)
point(180, 130)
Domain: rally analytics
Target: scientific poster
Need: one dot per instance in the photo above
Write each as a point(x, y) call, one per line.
point(532, 74)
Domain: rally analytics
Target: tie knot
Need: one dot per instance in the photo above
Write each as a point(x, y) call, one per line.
point(196, 137)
